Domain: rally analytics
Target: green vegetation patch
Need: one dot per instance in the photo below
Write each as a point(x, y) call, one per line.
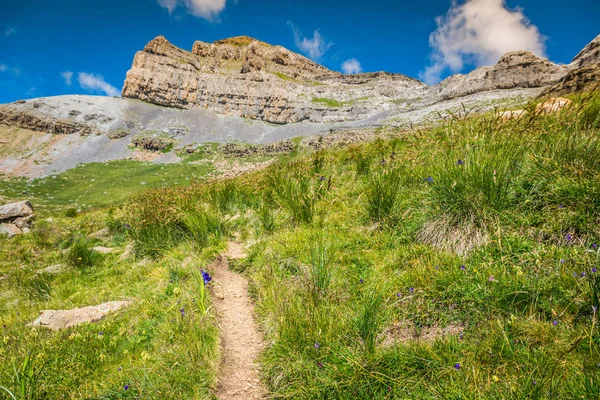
point(332, 103)
point(102, 184)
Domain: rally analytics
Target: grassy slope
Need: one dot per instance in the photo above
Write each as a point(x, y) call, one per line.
point(353, 247)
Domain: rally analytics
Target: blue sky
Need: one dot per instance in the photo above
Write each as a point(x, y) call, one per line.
point(43, 42)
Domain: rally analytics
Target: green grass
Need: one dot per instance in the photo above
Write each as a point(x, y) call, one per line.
point(332, 102)
point(361, 258)
point(102, 184)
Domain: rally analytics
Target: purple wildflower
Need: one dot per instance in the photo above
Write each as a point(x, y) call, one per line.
point(569, 238)
point(125, 387)
point(206, 277)
point(463, 267)
point(562, 261)
point(411, 289)
point(361, 281)
point(429, 179)
point(399, 294)
point(120, 369)
point(317, 345)
point(457, 366)
point(460, 162)
point(461, 335)
point(491, 278)
point(561, 206)
point(100, 333)
point(583, 274)
point(320, 364)
point(595, 308)
point(534, 382)
point(595, 246)
point(594, 270)
point(322, 178)
point(555, 323)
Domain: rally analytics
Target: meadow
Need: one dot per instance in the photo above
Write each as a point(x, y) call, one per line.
point(457, 262)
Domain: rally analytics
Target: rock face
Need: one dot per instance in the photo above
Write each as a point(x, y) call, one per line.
point(61, 319)
point(34, 122)
point(16, 218)
point(247, 78)
point(515, 69)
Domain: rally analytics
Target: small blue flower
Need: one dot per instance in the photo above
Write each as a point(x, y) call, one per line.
point(429, 179)
point(555, 323)
point(206, 277)
point(461, 335)
point(569, 238)
point(399, 294)
point(460, 162)
point(119, 369)
point(595, 246)
point(361, 281)
point(411, 289)
point(583, 274)
point(457, 366)
point(100, 333)
point(125, 387)
point(317, 345)
point(322, 178)
point(562, 261)
point(594, 270)
point(463, 267)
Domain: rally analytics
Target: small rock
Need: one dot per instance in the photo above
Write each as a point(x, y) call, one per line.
point(10, 230)
point(103, 250)
point(552, 105)
point(61, 319)
point(101, 234)
point(18, 209)
point(514, 114)
point(53, 269)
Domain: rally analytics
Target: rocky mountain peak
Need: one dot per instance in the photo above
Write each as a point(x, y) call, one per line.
point(590, 54)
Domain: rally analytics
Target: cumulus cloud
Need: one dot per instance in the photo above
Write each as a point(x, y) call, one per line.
point(9, 31)
point(3, 67)
point(67, 76)
point(351, 66)
point(314, 48)
point(96, 83)
point(479, 32)
point(207, 9)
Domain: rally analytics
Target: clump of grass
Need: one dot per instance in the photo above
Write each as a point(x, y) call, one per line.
point(382, 188)
point(71, 212)
point(369, 320)
point(476, 179)
point(81, 254)
point(319, 274)
point(297, 191)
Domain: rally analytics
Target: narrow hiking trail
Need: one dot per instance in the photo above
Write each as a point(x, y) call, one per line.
point(241, 341)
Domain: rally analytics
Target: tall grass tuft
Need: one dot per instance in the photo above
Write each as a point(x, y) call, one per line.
point(81, 254)
point(320, 276)
point(297, 191)
point(370, 319)
point(382, 188)
point(476, 178)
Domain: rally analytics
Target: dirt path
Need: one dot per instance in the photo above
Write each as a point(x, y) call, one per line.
point(241, 341)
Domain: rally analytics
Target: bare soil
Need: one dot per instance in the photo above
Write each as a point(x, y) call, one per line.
point(241, 340)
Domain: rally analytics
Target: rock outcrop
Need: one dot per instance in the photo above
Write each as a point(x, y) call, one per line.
point(515, 69)
point(39, 123)
point(16, 218)
point(248, 78)
point(61, 319)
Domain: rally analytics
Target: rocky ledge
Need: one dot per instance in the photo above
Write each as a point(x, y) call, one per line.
point(248, 78)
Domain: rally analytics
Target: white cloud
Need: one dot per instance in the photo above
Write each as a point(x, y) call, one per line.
point(479, 32)
point(96, 83)
point(3, 67)
point(9, 31)
point(207, 9)
point(67, 76)
point(351, 66)
point(315, 47)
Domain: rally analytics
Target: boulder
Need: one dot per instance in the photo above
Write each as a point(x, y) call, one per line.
point(61, 319)
point(13, 210)
point(512, 114)
point(16, 218)
point(10, 230)
point(553, 105)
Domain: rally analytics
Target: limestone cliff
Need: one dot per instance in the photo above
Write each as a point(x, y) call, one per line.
point(248, 78)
